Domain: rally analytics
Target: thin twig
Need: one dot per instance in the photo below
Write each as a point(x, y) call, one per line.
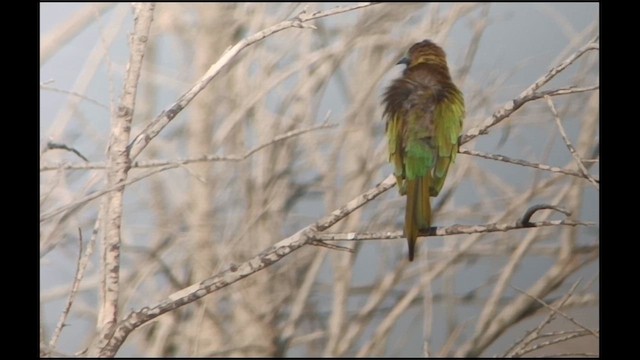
point(52, 145)
point(555, 310)
point(72, 293)
point(204, 158)
point(172, 165)
point(567, 142)
point(552, 342)
point(44, 86)
point(573, 355)
point(498, 157)
point(321, 243)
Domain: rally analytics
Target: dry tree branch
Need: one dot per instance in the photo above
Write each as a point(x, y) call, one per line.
point(567, 142)
point(498, 157)
point(153, 129)
point(118, 166)
point(527, 95)
point(448, 230)
point(387, 323)
point(233, 273)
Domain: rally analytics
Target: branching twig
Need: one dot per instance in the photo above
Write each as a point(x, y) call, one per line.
point(118, 165)
point(572, 150)
point(52, 145)
point(531, 336)
point(527, 95)
point(153, 129)
point(552, 341)
point(558, 311)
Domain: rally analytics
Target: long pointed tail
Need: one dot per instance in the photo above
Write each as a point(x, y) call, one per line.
point(418, 212)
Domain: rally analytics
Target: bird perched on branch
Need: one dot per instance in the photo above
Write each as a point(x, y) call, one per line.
point(423, 110)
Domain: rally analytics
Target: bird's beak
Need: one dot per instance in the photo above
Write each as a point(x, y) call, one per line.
point(405, 60)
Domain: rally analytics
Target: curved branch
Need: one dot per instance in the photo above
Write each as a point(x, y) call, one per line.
point(525, 219)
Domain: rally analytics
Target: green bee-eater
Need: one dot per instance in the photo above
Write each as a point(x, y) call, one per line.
point(424, 111)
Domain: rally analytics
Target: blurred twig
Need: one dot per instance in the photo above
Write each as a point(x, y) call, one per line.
point(176, 162)
point(153, 129)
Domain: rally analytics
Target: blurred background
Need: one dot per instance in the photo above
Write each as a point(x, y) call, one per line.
point(462, 296)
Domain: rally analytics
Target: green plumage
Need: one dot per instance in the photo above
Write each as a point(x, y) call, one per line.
point(424, 111)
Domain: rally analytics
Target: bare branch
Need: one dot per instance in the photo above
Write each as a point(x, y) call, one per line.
point(118, 166)
point(527, 95)
point(449, 230)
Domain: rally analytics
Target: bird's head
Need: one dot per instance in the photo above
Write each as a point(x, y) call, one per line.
point(424, 52)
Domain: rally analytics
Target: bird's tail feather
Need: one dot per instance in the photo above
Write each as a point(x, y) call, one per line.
point(418, 211)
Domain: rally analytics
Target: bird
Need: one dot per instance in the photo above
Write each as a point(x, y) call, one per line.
point(424, 111)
